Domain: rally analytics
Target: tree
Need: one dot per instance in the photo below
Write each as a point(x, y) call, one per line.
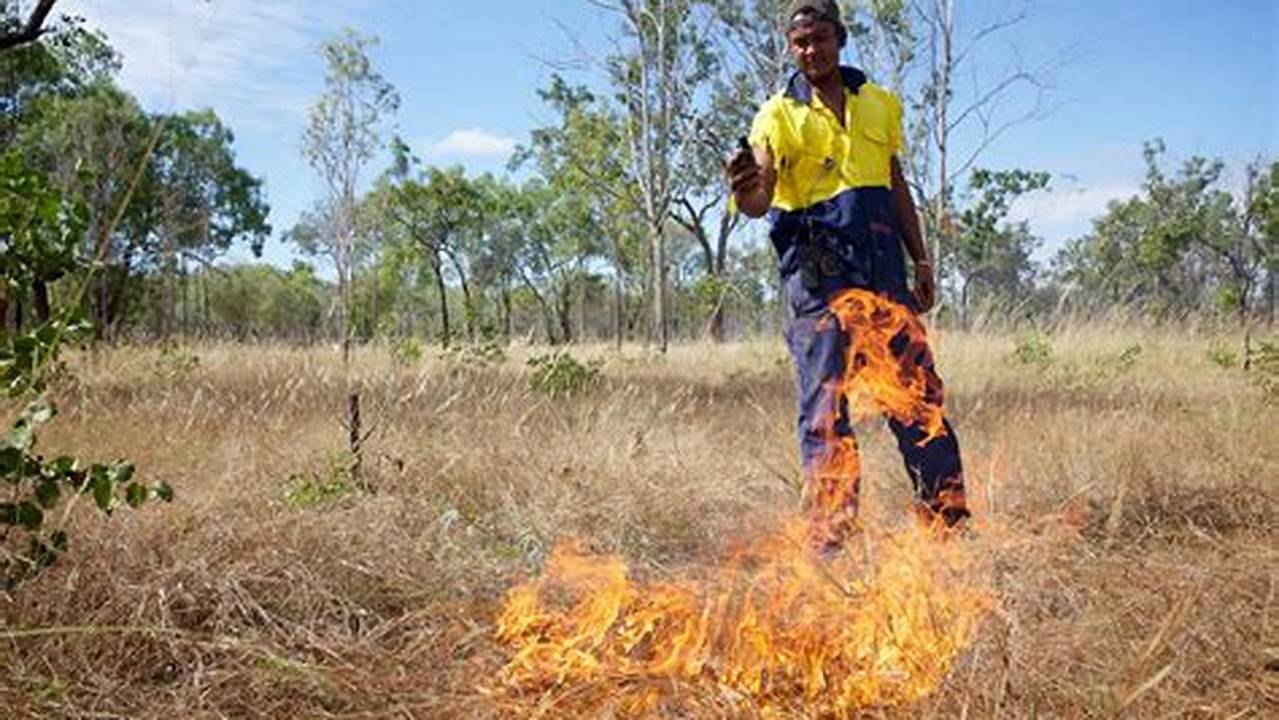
point(436, 211)
point(658, 74)
point(942, 114)
point(585, 155)
point(92, 146)
point(1183, 245)
point(201, 200)
point(343, 135)
point(14, 32)
point(1263, 210)
point(990, 254)
point(68, 59)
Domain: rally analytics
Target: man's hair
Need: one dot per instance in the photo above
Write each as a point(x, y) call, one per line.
point(802, 12)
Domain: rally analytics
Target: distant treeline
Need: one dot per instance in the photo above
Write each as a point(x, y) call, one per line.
point(613, 223)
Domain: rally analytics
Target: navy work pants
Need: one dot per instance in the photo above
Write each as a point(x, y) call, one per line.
point(819, 347)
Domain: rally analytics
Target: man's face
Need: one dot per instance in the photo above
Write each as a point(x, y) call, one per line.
point(815, 46)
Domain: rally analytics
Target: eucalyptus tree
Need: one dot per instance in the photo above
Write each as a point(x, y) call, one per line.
point(1183, 244)
point(993, 256)
point(92, 146)
point(562, 237)
point(200, 200)
point(659, 72)
point(438, 210)
point(585, 153)
point(343, 135)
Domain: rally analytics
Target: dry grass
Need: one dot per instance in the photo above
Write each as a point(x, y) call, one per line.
point(1129, 507)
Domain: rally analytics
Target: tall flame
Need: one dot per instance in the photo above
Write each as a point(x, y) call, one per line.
point(887, 372)
point(775, 628)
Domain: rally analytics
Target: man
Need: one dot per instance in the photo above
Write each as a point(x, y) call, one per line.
point(823, 164)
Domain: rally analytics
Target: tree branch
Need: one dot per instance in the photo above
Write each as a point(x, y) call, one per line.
point(32, 30)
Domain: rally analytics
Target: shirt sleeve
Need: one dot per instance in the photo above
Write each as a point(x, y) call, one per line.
point(895, 141)
point(765, 129)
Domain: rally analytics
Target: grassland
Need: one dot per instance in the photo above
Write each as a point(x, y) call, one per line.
point(1133, 482)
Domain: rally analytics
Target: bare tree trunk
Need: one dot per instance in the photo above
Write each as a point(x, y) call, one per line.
point(1270, 297)
point(657, 250)
point(946, 10)
point(506, 309)
point(438, 272)
point(468, 307)
point(619, 311)
point(40, 301)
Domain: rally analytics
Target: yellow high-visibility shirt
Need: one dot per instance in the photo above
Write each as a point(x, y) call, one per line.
point(833, 221)
point(816, 157)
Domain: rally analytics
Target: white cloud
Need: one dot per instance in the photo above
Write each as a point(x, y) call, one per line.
point(473, 142)
point(255, 60)
point(1068, 211)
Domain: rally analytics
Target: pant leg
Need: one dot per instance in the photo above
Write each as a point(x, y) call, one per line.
point(828, 447)
point(934, 466)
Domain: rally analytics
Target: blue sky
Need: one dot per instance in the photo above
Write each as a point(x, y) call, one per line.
point(1202, 75)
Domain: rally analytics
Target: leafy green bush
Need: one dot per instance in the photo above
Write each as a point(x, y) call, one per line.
point(37, 485)
point(1222, 357)
point(407, 351)
point(1033, 349)
point(305, 490)
point(559, 374)
point(38, 233)
point(474, 356)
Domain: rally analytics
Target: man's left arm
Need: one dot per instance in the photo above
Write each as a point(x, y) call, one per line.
point(908, 221)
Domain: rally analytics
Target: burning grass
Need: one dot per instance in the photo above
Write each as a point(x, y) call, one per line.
point(775, 629)
point(1127, 565)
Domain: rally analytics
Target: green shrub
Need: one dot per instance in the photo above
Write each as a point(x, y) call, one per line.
point(407, 351)
point(1033, 349)
point(334, 482)
point(1222, 357)
point(559, 374)
point(474, 356)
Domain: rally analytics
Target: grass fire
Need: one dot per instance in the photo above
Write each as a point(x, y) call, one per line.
point(776, 626)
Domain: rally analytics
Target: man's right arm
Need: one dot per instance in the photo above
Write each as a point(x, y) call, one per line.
point(752, 179)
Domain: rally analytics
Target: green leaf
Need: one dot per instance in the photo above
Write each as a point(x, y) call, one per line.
point(120, 473)
point(47, 493)
point(63, 466)
point(103, 489)
point(10, 463)
point(164, 491)
point(26, 514)
point(136, 494)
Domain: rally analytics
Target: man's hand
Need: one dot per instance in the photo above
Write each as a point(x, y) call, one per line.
point(744, 176)
point(750, 176)
point(925, 287)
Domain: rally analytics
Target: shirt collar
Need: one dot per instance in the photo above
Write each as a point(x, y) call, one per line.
point(799, 89)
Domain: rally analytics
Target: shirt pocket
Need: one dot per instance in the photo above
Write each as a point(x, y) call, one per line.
point(872, 149)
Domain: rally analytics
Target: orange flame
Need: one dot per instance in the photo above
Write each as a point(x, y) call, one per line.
point(887, 356)
point(775, 629)
point(886, 373)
